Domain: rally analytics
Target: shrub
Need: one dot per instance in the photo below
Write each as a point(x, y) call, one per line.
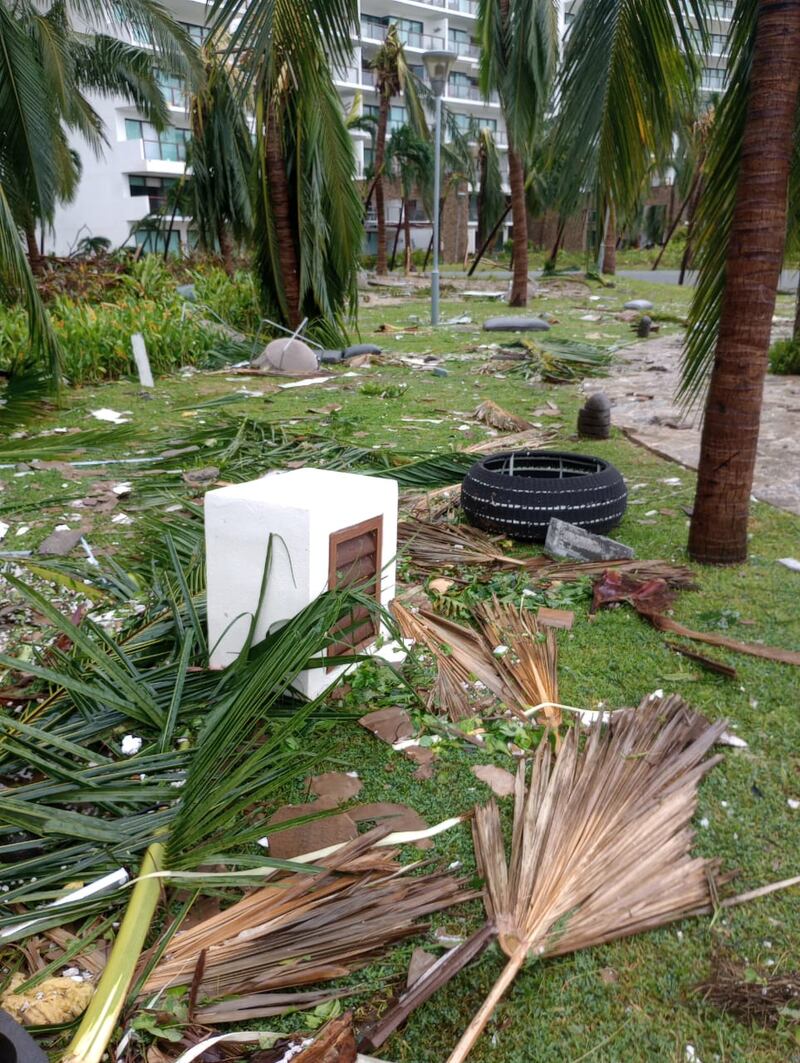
point(784, 357)
point(234, 301)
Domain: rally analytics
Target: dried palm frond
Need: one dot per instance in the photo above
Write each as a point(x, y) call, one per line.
point(530, 438)
point(528, 658)
point(601, 839)
point(677, 576)
point(308, 927)
point(496, 417)
point(433, 547)
point(456, 672)
point(521, 675)
point(437, 505)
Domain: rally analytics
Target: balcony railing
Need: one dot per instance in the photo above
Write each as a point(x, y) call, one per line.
point(722, 10)
point(464, 48)
point(465, 7)
point(460, 91)
point(348, 75)
point(424, 41)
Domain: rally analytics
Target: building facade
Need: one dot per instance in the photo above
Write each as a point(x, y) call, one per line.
point(130, 181)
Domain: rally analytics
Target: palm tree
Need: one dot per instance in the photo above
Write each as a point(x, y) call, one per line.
point(392, 76)
point(307, 210)
point(519, 48)
point(491, 198)
point(412, 158)
point(628, 74)
point(741, 234)
point(221, 157)
point(46, 67)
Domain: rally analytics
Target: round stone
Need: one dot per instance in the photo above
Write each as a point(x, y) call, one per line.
point(639, 304)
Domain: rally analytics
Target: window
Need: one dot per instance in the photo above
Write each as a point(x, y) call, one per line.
point(398, 114)
point(197, 34)
point(173, 89)
point(409, 25)
point(155, 188)
point(713, 78)
point(169, 146)
point(153, 241)
point(354, 561)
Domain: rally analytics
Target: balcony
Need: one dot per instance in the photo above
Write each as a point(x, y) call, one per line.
point(424, 42)
point(347, 76)
point(460, 91)
point(722, 11)
point(466, 50)
point(463, 7)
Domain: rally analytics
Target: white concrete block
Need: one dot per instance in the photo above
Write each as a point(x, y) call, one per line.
point(142, 361)
point(302, 509)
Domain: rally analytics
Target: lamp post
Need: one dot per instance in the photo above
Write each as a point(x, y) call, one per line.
point(438, 65)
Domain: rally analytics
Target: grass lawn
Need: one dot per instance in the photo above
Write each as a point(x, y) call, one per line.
point(629, 1001)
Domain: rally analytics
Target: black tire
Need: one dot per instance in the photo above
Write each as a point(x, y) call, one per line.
point(517, 492)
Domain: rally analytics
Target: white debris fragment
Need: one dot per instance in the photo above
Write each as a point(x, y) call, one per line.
point(690, 1054)
point(3, 530)
point(728, 739)
point(131, 744)
point(656, 694)
point(121, 489)
point(793, 803)
point(672, 481)
point(790, 562)
point(23, 530)
point(263, 842)
point(106, 414)
point(704, 823)
point(121, 518)
point(500, 651)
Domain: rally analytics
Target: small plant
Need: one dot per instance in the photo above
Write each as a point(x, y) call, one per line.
point(784, 357)
point(384, 391)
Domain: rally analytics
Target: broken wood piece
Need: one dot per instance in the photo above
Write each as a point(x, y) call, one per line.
point(418, 965)
point(701, 659)
point(753, 649)
point(558, 618)
point(436, 976)
point(495, 416)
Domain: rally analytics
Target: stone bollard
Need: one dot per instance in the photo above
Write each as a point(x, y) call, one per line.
point(594, 419)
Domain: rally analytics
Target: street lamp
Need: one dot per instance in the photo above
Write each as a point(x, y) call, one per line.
point(438, 65)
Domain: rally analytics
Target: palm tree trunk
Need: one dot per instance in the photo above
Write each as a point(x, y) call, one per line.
point(35, 257)
point(380, 153)
point(225, 247)
point(519, 214)
point(553, 256)
point(610, 251)
point(281, 211)
point(397, 233)
point(718, 533)
point(407, 231)
point(796, 331)
point(483, 166)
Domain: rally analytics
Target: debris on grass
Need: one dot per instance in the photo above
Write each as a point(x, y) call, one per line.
point(704, 661)
point(499, 781)
point(309, 927)
point(752, 997)
point(49, 1003)
point(391, 725)
point(496, 417)
point(569, 541)
point(433, 547)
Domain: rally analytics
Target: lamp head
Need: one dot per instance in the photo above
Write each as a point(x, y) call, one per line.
point(437, 65)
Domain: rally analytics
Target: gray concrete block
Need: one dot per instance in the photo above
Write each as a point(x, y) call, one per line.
point(566, 540)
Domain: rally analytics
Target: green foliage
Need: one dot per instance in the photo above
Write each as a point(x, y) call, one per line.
point(784, 357)
point(232, 300)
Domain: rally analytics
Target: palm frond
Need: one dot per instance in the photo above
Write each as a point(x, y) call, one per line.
point(601, 841)
point(714, 218)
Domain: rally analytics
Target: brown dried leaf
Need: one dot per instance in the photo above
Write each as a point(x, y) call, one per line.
point(390, 725)
point(499, 781)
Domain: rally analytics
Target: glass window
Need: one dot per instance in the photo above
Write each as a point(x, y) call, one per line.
point(155, 188)
point(154, 241)
point(197, 34)
point(169, 146)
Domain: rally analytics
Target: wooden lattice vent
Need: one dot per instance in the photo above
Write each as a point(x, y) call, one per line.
point(355, 561)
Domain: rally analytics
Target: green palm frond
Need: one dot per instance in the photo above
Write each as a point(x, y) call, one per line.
point(491, 197)
point(628, 73)
point(712, 224)
point(519, 51)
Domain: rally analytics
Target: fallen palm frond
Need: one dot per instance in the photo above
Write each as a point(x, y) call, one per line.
point(507, 655)
point(678, 576)
point(526, 656)
point(754, 999)
point(495, 416)
point(433, 547)
point(434, 506)
point(601, 839)
point(308, 928)
point(454, 682)
point(564, 361)
point(531, 438)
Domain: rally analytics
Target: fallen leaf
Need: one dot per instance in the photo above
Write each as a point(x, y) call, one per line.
point(397, 817)
point(390, 725)
point(499, 781)
point(308, 837)
point(440, 585)
point(335, 786)
point(420, 962)
point(608, 975)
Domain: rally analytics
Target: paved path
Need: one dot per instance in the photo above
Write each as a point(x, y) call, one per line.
point(641, 387)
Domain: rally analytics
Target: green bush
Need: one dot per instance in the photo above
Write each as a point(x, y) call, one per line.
point(235, 301)
point(784, 357)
